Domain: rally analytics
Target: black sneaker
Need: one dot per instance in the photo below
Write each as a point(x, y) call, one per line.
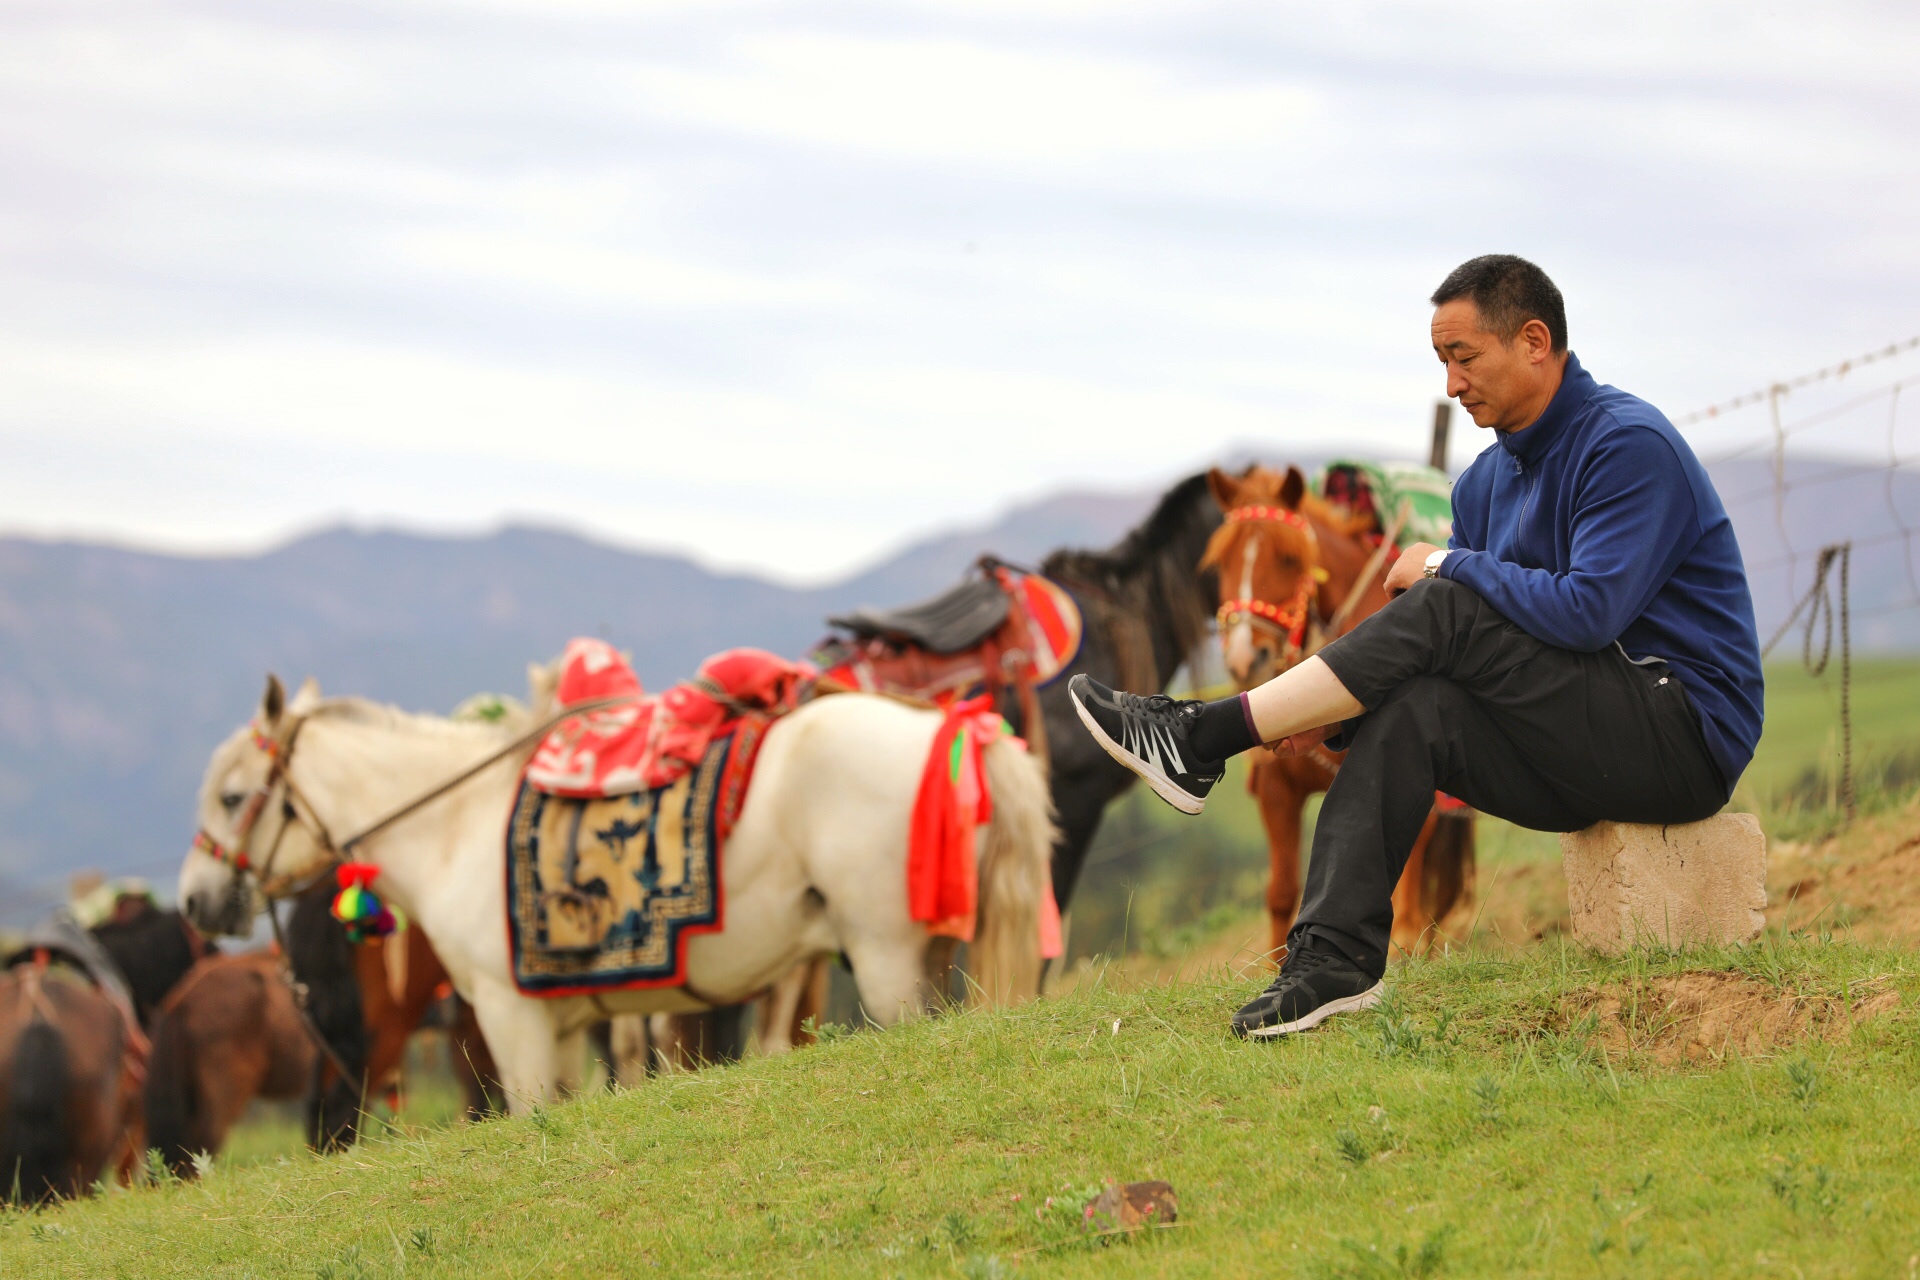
point(1314, 984)
point(1149, 736)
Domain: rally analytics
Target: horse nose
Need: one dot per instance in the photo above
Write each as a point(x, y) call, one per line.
point(196, 909)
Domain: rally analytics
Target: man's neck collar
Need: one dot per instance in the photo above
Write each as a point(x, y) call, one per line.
point(1534, 439)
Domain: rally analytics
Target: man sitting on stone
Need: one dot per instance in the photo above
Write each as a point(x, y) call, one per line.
point(1584, 648)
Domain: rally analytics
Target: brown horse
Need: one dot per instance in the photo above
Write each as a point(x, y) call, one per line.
point(69, 1084)
point(229, 1033)
point(1294, 572)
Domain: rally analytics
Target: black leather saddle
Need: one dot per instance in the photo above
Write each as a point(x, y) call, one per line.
point(952, 622)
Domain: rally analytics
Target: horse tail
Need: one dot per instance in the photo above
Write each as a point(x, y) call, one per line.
point(35, 1155)
point(1448, 871)
point(173, 1095)
point(1014, 875)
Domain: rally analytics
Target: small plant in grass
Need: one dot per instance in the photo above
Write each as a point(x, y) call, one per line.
point(1486, 1092)
point(824, 1031)
point(1804, 1187)
point(988, 1267)
point(202, 1164)
point(1368, 1262)
point(1803, 1080)
point(422, 1241)
point(48, 1232)
point(958, 1230)
point(1351, 1147)
point(348, 1266)
point(1399, 1034)
point(159, 1172)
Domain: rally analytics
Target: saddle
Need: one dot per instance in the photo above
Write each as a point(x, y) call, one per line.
point(961, 618)
point(1002, 628)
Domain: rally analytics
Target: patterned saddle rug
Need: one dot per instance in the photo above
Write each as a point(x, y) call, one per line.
point(613, 848)
point(604, 892)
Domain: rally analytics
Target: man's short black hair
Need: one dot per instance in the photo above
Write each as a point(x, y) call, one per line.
point(1509, 291)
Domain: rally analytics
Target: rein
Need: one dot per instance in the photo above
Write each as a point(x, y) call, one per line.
point(280, 754)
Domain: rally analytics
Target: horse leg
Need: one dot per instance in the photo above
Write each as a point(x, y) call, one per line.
point(1281, 803)
point(1412, 919)
point(519, 1031)
point(888, 973)
point(570, 1062)
point(779, 1007)
point(632, 1049)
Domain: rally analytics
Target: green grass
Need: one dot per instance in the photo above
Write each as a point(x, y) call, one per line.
point(1791, 780)
point(1478, 1125)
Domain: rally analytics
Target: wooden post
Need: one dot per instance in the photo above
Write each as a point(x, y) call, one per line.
point(1442, 422)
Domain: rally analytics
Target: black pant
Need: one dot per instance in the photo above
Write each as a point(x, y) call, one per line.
point(1461, 700)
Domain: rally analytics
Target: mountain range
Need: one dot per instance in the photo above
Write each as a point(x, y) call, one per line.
point(120, 669)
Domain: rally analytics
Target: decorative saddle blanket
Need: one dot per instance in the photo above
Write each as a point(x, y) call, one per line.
point(613, 848)
point(603, 893)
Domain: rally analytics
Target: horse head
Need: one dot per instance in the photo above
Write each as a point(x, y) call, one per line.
point(252, 841)
point(1267, 558)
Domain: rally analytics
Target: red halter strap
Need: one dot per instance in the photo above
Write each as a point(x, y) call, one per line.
point(1268, 515)
point(1290, 619)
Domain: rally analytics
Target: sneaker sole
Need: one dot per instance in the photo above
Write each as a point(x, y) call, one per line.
point(1349, 1004)
point(1163, 786)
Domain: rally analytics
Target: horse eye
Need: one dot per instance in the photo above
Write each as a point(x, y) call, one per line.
point(230, 800)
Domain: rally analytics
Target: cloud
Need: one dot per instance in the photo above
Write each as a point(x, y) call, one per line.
point(637, 265)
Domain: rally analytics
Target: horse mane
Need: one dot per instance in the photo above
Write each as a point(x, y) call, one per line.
point(381, 715)
point(1154, 571)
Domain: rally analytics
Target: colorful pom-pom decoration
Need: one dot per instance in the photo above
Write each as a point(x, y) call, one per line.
point(358, 907)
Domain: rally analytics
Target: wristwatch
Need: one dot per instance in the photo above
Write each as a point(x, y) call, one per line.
point(1433, 562)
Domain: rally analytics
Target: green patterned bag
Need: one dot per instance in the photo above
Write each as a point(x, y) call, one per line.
point(1426, 492)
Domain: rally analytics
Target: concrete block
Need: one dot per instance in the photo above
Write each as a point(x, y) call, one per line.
point(1698, 883)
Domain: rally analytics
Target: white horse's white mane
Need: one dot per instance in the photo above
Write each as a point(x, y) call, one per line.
point(380, 715)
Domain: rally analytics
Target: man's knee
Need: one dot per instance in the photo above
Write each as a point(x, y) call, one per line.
point(1418, 706)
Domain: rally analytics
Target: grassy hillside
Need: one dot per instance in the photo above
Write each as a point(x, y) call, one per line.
point(1541, 1113)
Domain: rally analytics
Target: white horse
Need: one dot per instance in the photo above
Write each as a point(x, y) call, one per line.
point(817, 862)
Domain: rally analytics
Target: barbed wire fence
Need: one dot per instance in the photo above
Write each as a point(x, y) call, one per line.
point(1829, 595)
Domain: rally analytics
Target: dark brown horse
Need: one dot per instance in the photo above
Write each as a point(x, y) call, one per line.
point(69, 1083)
point(1146, 603)
point(229, 1033)
point(1293, 571)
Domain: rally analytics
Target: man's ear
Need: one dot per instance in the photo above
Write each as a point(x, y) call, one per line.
point(1538, 340)
point(1226, 490)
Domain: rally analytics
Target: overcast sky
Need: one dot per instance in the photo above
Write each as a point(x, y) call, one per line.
point(788, 285)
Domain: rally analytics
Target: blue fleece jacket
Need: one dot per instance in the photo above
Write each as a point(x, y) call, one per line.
point(1597, 524)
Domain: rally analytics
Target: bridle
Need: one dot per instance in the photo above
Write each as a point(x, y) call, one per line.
point(279, 753)
point(1287, 622)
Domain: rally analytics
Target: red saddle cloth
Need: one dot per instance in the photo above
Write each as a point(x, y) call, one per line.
point(652, 741)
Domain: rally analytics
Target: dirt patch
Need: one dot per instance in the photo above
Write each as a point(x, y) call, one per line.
point(1865, 881)
point(1701, 1017)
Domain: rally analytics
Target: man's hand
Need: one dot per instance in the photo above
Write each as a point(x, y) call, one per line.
point(1409, 568)
point(1295, 745)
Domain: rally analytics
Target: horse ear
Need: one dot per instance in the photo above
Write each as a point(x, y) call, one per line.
point(273, 703)
point(306, 700)
point(1226, 490)
point(1292, 489)
point(543, 680)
